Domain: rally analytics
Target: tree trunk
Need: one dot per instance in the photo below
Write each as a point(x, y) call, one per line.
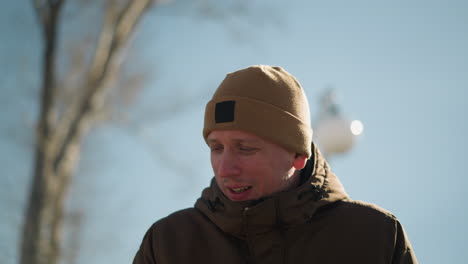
point(58, 139)
point(39, 242)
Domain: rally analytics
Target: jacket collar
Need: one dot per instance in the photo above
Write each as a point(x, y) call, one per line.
point(296, 206)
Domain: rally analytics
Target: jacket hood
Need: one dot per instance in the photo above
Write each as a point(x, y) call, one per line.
point(296, 206)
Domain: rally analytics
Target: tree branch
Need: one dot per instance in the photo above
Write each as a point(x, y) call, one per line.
point(114, 36)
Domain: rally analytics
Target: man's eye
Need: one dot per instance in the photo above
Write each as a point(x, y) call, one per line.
point(216, 148)
point(247, 149)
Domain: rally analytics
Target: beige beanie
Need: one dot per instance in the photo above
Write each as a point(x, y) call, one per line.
point(265, 101)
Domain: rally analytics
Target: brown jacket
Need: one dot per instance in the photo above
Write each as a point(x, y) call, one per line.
point(314, 223)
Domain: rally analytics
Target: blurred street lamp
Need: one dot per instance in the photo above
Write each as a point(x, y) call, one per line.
point(334, 133)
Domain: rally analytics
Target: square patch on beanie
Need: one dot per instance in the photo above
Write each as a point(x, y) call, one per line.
point(224, 111)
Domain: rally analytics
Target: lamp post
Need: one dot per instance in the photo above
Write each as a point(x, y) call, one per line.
point(334, 133)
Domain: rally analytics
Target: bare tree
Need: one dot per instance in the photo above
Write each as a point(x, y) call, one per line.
point(63, 122)
point(60, 131)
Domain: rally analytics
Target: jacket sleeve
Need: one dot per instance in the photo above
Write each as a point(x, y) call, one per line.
point(403, 252)
point(146, 252)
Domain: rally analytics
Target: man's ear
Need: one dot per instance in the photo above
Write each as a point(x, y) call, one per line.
point(299, 161)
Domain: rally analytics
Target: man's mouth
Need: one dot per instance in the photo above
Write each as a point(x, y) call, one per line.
point(241, 189)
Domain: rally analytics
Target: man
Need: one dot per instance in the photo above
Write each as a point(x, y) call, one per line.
point(273, 198)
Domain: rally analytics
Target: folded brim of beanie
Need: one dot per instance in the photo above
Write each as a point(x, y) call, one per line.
point(259, 118)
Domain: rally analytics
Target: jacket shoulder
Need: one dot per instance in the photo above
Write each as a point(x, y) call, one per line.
point(351, 215)
point(384, 220)
point(183, 237)
point(170, 234)
point(183, 214)
point(367, 209)
point(182, 219)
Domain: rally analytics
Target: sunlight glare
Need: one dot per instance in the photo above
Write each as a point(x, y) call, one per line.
point(357, 127)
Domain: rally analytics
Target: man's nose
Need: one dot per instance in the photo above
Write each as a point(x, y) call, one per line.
point(228, 165)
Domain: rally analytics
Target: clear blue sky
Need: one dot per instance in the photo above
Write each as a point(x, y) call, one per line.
point(399, 66)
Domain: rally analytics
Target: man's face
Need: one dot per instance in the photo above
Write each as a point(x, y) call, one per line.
point(248, 167)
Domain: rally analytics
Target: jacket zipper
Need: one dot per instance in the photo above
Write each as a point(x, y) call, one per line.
point(246, 226)
point(282, 232)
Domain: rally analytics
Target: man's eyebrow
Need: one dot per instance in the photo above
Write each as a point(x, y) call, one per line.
point(236, 140)
point(243, 140)
point(211, 140)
